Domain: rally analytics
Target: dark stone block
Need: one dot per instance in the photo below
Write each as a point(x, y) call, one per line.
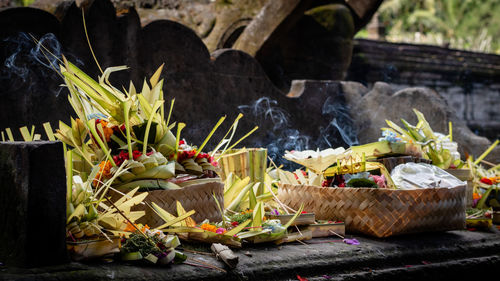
point(32, 204)
point(174, 44)
point(27, 20)
point(317, 46)
point(206, 86)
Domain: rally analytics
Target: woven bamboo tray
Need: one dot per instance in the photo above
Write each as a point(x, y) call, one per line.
point(198, 197)
point(381, 212)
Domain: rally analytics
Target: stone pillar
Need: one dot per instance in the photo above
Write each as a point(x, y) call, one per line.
point(32, 204)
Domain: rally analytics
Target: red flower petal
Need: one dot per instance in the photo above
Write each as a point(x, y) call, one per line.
point(301, 278)
point(118, 160)
point(123, 155)
point(487, 181)
point(136, 154)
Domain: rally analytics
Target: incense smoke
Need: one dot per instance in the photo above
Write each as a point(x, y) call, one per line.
point(40, 53)
point(13, 64)
point(266, 108)
point(341, 124)
point(283, 136)
point(28, 61)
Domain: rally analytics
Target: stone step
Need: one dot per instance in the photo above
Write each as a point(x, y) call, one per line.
point(433, 256)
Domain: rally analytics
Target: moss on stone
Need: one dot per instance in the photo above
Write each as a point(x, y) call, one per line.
point(335, 18)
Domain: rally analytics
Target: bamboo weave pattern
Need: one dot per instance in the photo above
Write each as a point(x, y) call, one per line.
point(381, 212)
point(198, 197)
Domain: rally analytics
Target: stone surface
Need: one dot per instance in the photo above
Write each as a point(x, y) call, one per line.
point(370, 109)
point(453, 255)
point(298, 40)
point(467, 80)
point(276, 17)
point(231, 17)
point(317, 45)
point(363, 10)
point(206, 86)
point(32, 204)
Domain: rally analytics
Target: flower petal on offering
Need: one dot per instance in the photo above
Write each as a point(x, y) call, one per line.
point(316, 161)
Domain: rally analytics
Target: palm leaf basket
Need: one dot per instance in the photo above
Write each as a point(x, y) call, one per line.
point(90, 249)
point(381, 212)
point(198, 197)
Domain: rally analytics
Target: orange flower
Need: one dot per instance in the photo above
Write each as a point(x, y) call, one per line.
point(144, 228)
point(104, 172)
point(105, 168)
point(107, 131)
point(476, 196)
point(247, 211)
point(209, 227)
point(129, 227)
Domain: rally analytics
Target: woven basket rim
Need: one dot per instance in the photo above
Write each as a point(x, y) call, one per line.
point(371, 188)
point(187, 187)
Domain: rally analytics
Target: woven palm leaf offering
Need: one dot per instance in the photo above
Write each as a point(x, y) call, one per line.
point(96, 226)
point(419, 143)
point(363, 195)
point(243, 162)
point(206, 232)
point(485, 206)
point(316, 161)
point(129, 132)
point(244, 203)
point(246, 209)
point(249, 225)
point(249, 192)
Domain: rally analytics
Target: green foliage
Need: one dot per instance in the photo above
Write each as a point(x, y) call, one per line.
point(139, 243)
point(240, 218)
point(462, 24)
point(361, 182)
point(24, 3)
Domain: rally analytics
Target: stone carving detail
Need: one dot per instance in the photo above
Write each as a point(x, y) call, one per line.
point(206, 86)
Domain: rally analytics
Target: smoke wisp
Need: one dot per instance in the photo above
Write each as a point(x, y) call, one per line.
point(28, 62)
point(283, 136)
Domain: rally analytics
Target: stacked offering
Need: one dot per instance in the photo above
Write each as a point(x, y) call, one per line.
point(359, 188)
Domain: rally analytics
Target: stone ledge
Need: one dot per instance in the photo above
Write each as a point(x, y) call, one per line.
point(32, 203)
point(435, 256)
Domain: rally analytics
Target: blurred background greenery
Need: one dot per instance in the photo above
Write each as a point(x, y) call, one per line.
point(24, 2)
point(460, 24)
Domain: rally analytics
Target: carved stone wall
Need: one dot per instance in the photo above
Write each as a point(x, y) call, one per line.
point(468, 81)
point(206, 85)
